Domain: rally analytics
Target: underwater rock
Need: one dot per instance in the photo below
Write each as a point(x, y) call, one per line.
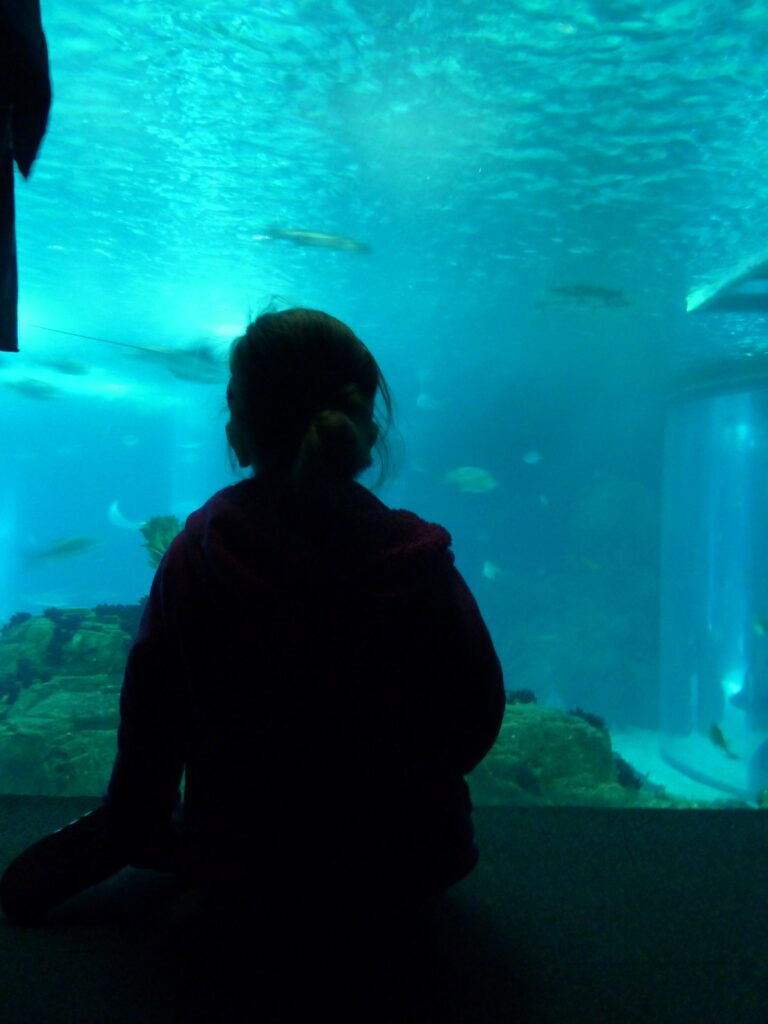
point(23, 655)
point(126, 615)
point(96, 647)
point(59, 737)
point(15, 620)
point(60, 680)
point(589, 717)
point(544, 756)
point(548, 757)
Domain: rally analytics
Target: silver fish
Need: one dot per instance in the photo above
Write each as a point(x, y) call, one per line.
point(318, 239)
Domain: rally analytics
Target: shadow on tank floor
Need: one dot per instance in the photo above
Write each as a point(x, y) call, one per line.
point(574, 914)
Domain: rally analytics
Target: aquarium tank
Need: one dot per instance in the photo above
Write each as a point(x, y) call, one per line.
point(518, 207)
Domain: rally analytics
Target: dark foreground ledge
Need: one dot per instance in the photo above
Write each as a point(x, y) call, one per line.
point(573, 915)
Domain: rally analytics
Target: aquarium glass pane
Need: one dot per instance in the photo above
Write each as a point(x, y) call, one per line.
point(510, 204)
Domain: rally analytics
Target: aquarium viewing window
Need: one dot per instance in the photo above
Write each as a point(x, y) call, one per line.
point(505, 202)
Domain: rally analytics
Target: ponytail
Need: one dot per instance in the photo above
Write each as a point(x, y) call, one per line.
point(337, 444)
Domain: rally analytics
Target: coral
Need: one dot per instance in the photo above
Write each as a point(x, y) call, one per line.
point(158, 533)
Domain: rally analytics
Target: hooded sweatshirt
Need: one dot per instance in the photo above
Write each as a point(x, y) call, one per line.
point(325, 680)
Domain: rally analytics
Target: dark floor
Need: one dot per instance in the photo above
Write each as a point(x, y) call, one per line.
point(573, 915)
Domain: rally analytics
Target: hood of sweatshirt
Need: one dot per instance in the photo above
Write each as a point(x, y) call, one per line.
point(248, 540)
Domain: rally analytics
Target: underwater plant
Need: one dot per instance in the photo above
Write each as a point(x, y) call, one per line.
point(158, 533)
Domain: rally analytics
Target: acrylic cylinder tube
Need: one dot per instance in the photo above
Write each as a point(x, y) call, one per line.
point(714, 590)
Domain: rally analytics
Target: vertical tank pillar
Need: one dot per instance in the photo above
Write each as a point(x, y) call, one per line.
point(714, 594)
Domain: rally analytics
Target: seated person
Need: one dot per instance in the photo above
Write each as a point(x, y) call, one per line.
point(312, 660)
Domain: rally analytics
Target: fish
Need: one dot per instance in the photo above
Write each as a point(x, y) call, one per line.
point(33, 388)
point(715, 736)
point(200, 362)
point(491, 571)
point(592, 564)
point(73, 367)
point(201, 366)
point(426, 401)
point(69, 547)
point(759, 625)
point(471, 479)
point(583, 296)
point(317, 239)
point(532, 457)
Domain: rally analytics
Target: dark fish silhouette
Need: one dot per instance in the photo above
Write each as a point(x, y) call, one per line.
point(33, 388)
point(69, 547)
point(717, 738)
point(73, 367)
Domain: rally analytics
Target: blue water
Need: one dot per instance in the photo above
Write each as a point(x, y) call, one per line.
point(487, 153)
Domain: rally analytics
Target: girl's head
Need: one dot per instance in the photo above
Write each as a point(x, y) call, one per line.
point(301, 399)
